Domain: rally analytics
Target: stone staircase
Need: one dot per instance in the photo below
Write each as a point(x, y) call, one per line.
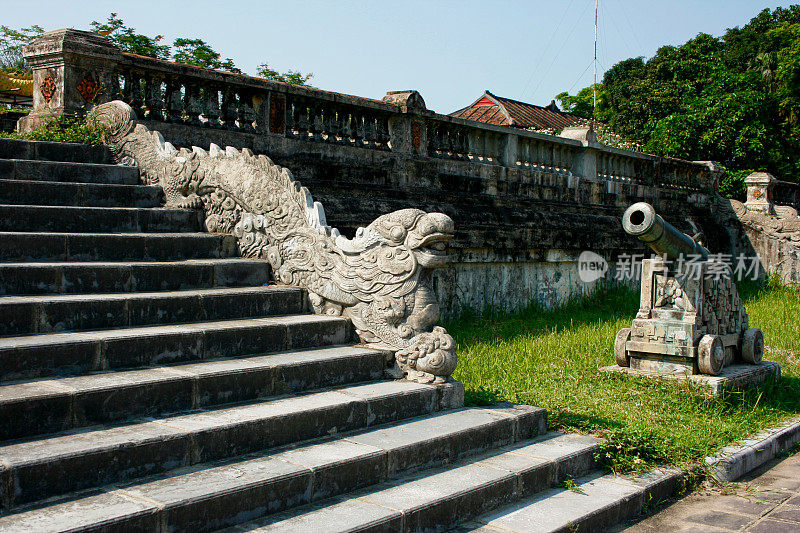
point(150, 380)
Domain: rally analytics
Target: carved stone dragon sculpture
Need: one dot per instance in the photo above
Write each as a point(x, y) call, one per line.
point(380, 279)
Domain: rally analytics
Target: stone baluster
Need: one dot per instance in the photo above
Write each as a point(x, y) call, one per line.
point(448, 143)
point(133, 91)
point(358, 129)
point(345, 125)
point(559, 159)
point(326, 122)
point(383, 132)
point(334, 124)
point(315, 128)
point(291, 117)
point(434, 142)
point(211, 108)
point(457, 143)
point(192, 104)
point(490, 143)
point(370, 131)
point(153, 100)
point(245, 115)
point(301, 117)
point(261, 111)
point(228, 108)
point(536, 155)
point(173, 101)
point(476, 145)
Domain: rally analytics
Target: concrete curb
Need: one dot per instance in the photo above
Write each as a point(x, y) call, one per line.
point(732, 462)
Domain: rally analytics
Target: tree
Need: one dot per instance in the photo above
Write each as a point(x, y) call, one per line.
point(582, 104)
point(11, 43)
point(199, 53)
point(127, 40)
point(190, 51)
point(291, 76)
point(734, 99)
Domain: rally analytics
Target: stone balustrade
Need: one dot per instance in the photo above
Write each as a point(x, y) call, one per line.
point(786, 193)
point(75, 70)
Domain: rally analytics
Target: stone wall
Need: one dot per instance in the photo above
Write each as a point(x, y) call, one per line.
point(761, 227)
point(525, 205)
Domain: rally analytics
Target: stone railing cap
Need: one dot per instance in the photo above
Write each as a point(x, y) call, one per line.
point(760, 177)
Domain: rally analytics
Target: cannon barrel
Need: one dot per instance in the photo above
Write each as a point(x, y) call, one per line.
point(642, 221)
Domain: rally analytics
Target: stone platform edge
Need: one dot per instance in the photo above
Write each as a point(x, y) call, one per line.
point(733, 377)
point(732, 462)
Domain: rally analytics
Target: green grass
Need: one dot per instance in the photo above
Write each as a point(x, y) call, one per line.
point(550, 358)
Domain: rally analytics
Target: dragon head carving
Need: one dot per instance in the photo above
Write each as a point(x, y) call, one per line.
point(426, 235)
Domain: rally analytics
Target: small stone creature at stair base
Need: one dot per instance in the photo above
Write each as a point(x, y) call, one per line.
point(689, 323)
point(381, 279)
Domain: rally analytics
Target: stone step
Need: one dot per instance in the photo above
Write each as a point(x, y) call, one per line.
point(33, 246)
point(46, 467)
point(211, 496)
point(53, 151)
point(21, 192)
point(441, 498)
point(594, 503)
point(27, 315)
point(47, 406)
point(76, 353)
point(22, 169)
point(94, 277)
point(45, 218)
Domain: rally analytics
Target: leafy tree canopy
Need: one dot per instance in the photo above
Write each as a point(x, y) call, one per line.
point(198, 52)
point(127, 40)
point(734, 99)
point(191, 51)
point(291, 76)
point(11, 43)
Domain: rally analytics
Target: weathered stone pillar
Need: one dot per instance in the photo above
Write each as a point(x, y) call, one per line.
point(510, 150)
point(72, 71)
point(759, 192)
point(584, 164)
point(408, 132)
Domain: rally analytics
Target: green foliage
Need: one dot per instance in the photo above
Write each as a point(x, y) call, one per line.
point(64, 129)
point(296, 78)
point(734, 99)
point(127, 40)
point(190, 51)
point(11, 43)
point(582, 104)
point(198, 52)
point(551, 358)
point(732, 184)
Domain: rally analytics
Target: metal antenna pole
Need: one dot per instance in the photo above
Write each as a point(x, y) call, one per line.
point(594, 86)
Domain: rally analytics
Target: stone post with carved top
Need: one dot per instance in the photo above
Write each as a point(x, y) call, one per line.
point(759, 192)
point(72, 71)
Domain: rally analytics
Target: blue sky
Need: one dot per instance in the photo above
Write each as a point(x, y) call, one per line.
point(448, 50)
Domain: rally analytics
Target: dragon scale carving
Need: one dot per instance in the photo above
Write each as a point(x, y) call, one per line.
point(380, 279)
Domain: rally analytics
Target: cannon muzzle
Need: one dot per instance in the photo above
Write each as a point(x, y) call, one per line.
point(642, 221)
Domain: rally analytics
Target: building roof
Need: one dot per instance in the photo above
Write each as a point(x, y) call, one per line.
point(500, 111)
point(19, 84)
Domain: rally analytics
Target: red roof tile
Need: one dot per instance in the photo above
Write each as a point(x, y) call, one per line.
point(493, 109)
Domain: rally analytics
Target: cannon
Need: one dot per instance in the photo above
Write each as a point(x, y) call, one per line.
point(690, 319)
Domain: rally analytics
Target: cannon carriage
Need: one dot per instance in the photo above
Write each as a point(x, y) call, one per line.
point(690, 319)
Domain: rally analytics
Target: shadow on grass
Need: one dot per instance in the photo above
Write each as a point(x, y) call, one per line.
point(782, 394)
point(606, 305)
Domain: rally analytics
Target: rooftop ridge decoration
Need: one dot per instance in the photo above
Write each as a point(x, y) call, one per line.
point(380, 279)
